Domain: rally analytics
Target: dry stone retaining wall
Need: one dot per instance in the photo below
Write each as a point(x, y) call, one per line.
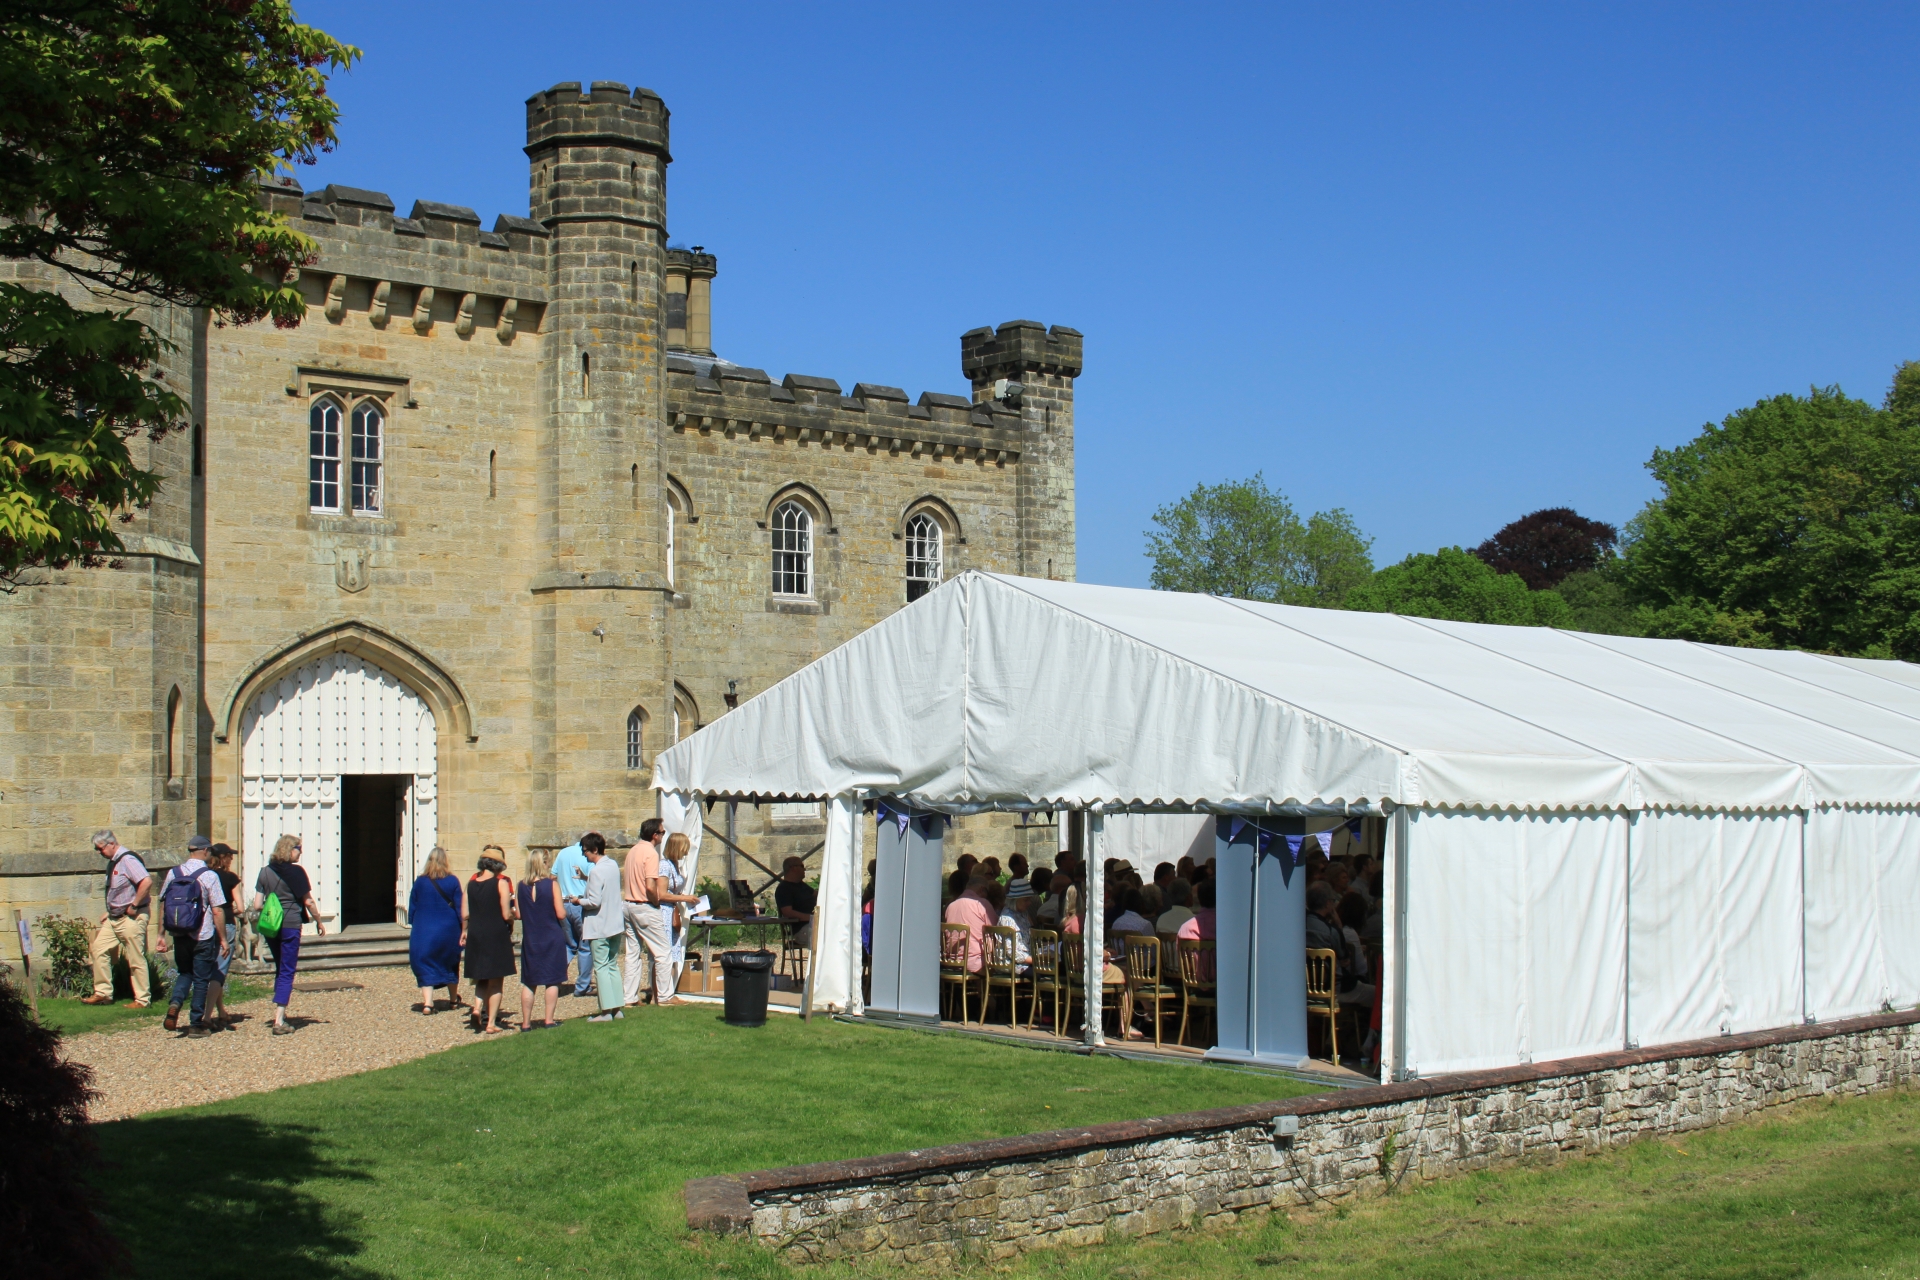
point(985, 1200)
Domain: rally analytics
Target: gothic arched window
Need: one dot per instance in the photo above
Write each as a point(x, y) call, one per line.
point(367, 445)
point(323, 454)
point(792, 550)
point(636, 726)
point(923, 555)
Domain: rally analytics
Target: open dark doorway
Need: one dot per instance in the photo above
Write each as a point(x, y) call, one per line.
point(369, 846)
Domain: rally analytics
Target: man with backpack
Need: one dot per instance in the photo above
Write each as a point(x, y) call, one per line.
point(192, 907)
point(124, 927)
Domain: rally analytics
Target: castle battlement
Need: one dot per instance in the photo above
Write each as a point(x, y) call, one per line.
point(733, 402)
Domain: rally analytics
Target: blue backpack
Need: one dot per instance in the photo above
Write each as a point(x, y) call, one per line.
point(182, 908)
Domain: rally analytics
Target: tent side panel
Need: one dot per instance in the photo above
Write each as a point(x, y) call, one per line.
point(1576, 930)
point(1847, 973)
point(1465, 913)
point(1762, 903)
point(906, 921)
point(1898, 860)
point(1673, 979)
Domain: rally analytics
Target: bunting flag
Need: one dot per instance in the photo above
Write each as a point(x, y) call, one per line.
point(1353, 829)
point(1293, 846)
point(1326, 841)
point(1233, 833)
point(881, 814)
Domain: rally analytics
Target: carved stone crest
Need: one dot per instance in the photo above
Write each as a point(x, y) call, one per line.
point(350, 570)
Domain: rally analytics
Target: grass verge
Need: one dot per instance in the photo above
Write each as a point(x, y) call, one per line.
point(74, 1018)
point(1824, 1189)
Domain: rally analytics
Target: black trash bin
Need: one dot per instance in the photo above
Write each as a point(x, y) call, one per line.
point(748, 976)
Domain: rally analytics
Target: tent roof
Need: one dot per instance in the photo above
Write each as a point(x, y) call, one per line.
point(996, 690)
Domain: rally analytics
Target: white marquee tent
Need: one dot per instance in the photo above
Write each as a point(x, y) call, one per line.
point(1592, 841)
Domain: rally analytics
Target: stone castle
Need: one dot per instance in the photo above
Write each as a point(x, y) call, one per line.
point(450, 562)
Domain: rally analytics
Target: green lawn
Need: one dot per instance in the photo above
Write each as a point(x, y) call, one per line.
point(1827, 1189)
point(563, 1152)
point(75, 1018)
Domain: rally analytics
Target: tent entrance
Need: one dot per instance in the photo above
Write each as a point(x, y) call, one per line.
point(906, 897)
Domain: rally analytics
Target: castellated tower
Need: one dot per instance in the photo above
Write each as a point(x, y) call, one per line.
point(1042, 363)
point(598, 184)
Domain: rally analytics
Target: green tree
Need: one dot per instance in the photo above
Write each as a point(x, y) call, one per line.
point(1244, 540)
point(1458, 585)
point(1597, 601)
point(1794, 523)
point(132, 137)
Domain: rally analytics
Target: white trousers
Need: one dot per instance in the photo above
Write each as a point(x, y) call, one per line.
point(648, 947)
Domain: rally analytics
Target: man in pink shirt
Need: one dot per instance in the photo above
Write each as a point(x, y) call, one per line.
point(1201, 926)
point(974, 911)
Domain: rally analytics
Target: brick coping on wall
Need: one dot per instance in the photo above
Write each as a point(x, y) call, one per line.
point(724, 1203)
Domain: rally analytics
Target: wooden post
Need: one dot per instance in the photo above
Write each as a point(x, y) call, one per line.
point(25, 931)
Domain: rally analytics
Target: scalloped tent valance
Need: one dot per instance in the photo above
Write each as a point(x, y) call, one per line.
point(1003, 692)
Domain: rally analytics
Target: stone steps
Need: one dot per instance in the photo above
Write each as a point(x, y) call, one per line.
point(360, 947)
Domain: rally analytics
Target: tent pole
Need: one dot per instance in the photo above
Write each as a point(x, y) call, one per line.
point(733, 838)
point(1093, 924)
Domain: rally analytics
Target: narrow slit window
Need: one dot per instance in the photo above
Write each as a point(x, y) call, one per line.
point(367, 424)
point(792, 550)
point(670, 514)
point(323, 450)
point(586, 376)
point(636, 723)
point(493, 473)
point(923, 555)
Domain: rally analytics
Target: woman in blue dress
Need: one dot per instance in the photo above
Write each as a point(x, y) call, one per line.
point(543, 939)
point(437, 913)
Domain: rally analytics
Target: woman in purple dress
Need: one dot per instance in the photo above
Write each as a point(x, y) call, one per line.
point(543, 939)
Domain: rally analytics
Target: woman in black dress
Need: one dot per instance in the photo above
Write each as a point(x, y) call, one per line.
point(489, 937)
point(543, 939)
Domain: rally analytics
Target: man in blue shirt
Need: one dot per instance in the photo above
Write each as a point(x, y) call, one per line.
point(570, 872)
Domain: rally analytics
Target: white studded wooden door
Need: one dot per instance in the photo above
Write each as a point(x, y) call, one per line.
point(337, 715)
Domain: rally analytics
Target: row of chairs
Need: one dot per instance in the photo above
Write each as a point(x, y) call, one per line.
point(1166, 974)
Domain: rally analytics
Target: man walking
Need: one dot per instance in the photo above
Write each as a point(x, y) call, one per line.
point(123, 929)
point(602, 923)
point(647, 942)
point(193, 912)
point(570, 874)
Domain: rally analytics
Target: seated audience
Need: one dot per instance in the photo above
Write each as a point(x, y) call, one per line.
point(1014, 916)
point(1017, 882)
point(1163, 876)
point(972, 909)
point(1201, 925)
point(990, 868)
point(1324, 931)
point(1152, 902)
point(1353, 918)
point(957, 882)
point(1132, 917)
point(1183, 870)
point(1052, 911)
point(1180, 910)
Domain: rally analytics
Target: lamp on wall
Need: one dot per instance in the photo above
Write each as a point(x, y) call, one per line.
point(733, 694)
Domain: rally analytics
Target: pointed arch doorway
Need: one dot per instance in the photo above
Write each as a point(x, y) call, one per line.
point(342, 754)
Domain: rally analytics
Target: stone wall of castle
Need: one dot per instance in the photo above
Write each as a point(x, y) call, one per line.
point(536, 432)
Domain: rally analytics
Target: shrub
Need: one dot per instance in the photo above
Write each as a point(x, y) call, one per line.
point(48, 1212)
point(67, 946)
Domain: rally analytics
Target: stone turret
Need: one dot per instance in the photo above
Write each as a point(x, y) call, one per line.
point(598, 167)
point(1026, 366)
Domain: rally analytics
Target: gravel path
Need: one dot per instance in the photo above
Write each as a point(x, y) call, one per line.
point(149, 1068)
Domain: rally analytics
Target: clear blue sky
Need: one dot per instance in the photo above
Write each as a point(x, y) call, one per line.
point(1437, 265)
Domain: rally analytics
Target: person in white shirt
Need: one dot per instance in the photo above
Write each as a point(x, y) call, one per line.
point(1014, 916)
point(1180, 912)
